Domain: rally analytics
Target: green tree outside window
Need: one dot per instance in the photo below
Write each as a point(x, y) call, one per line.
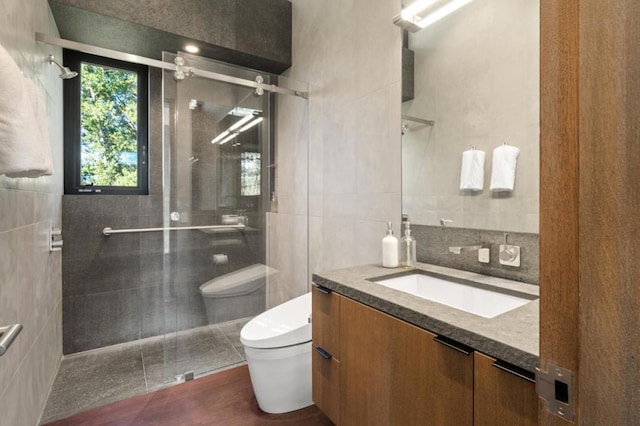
point(109, 126)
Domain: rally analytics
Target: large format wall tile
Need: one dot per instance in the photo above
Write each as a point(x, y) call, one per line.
point(352, 63)
point(30, 276)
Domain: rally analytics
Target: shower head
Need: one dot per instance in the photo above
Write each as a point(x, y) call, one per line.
point(66, 72)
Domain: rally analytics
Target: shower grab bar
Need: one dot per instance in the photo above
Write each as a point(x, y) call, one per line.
point(107, 232)
point(7, 335)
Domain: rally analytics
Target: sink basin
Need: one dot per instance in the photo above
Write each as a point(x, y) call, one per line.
point(477, 299)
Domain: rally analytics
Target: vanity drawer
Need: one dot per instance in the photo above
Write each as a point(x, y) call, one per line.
point(326, 384)
point(325, 324)
point(501, 396)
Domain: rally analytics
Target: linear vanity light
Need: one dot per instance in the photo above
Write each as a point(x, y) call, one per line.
point(241, 122)
point(228, 138)
point(423, 13)
point(253, 123)
point(220, 136)
point(245, 123)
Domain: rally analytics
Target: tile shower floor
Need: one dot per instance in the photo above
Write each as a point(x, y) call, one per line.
point(101, 376)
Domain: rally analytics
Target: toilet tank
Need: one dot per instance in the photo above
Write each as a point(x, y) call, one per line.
point(237, 283)
point(238, 294)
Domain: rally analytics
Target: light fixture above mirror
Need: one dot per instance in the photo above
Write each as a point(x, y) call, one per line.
point(249, 118)
point(422, 13)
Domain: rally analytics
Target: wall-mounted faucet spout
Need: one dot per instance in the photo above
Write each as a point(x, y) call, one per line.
point(460, 249)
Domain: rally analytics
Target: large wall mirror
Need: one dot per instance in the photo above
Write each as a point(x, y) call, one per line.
point(476, 76)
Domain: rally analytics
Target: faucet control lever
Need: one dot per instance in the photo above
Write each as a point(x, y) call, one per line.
point(509, 255)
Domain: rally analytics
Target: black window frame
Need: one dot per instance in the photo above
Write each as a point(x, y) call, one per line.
point(72, 146)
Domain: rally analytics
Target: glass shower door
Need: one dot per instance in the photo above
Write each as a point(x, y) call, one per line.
point(217, 181)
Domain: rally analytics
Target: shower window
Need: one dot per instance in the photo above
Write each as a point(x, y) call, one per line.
point(105, 126)
point(249, 173)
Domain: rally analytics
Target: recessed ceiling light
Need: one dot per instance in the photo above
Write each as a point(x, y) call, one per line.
point(191, 48)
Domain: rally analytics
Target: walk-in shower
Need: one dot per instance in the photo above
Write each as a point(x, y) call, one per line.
point(230, 269)
point(162, 283)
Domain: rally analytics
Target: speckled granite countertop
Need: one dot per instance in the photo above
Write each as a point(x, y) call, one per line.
point(512, 337)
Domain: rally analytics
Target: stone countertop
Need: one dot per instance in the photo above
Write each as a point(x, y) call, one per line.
point(512, 337)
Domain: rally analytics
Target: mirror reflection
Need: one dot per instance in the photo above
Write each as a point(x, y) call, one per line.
point(475, 81)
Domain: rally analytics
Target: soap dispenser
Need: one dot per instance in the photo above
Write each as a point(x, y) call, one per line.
point(390, 249)
point(407, 248)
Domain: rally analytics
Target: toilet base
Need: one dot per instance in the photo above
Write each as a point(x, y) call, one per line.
point(281, 378)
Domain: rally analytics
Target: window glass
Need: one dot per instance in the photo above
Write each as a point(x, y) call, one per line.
point(108, 126)
point(105, 126)
point(249, 173)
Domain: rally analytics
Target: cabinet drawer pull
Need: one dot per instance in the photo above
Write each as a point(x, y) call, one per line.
point(453, 344)
point(324, 354)
point(323, 290)
point(515, 370)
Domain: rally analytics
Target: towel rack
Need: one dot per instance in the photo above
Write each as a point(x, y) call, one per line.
point(418, 120)
point(108, 231)
point(7, 335)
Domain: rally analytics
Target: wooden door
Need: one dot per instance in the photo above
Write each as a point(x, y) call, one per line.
point(590, 204)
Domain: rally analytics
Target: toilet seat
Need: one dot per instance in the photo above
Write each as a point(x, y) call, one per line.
point(285, 325)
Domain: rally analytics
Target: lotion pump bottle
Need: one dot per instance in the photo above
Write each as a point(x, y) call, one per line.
point(407, 248)
point(390, 249)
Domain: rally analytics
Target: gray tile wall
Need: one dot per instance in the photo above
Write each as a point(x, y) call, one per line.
point(113, 287)
point(433, 244)
point(354, 73)
point(30, 276)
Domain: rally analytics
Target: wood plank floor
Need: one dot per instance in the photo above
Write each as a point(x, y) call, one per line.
point(224, 398)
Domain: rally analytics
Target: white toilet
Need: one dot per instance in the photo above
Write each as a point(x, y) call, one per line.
point(277, 344)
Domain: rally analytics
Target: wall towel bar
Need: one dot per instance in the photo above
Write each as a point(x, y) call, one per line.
point(7, 335)
point(108, 231)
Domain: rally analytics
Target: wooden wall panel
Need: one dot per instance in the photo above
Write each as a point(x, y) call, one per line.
point(590, 204)
point(559, 184)
point(610, 212)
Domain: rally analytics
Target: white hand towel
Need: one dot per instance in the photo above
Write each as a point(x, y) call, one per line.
point(472, 171)
point(24, 143)
point(503, 171)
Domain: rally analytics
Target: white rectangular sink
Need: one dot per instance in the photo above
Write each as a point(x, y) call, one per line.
point(466, 297)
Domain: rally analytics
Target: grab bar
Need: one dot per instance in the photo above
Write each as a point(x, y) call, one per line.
point(7, 335)
point(107, 232)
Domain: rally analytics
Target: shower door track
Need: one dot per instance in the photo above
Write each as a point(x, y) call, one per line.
point(136, 59)
point(108, 231)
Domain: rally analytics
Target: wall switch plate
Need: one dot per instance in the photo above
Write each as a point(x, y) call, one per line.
point(484, 255)
point(509, 255)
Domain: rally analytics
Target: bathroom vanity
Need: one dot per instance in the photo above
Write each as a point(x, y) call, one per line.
point(383, 356)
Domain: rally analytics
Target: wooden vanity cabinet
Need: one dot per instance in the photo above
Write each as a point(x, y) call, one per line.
point(502, 398)
point(325, 357)
point(370, 368)
point(393, 373)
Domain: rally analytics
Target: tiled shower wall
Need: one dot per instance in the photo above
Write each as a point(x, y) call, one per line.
point(114, 287)
point(30, 276)
point(350, 53)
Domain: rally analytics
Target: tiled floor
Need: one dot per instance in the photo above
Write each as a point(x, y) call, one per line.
point(99, 377)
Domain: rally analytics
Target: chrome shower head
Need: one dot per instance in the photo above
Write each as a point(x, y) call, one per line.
point(66, 72)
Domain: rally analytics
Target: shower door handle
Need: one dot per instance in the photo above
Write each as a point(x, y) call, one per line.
point(7, 335)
